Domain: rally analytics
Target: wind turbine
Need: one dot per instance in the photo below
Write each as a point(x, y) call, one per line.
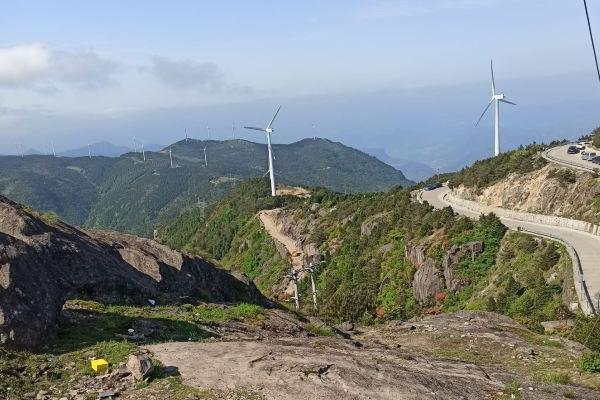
point(208, 132)
point(89, 151)
point(171, 156)
point(53, 151)
point(497, 98)
point(186, 135)
point(205, 159)
point(268, 130)
point(233, 130)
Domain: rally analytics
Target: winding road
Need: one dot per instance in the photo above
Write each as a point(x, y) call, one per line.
point(558, 155)
point(584, 247)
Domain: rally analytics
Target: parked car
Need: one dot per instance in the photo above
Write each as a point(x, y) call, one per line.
point(581, 146)
point(596, 160)
point(585, 155)
point(572, 150)
point(591, 156)
point(432, 186)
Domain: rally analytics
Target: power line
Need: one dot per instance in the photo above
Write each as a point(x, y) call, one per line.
point(587, 15)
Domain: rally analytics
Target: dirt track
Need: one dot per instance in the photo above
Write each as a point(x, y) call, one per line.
point(268, 220)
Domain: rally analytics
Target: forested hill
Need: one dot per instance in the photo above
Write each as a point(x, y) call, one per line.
point(128, 194)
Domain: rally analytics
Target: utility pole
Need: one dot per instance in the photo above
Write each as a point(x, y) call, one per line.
point(294, 276)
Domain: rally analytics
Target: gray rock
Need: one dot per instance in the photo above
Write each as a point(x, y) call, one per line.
point(140, 366)
point(427, 282)
point(50, 262)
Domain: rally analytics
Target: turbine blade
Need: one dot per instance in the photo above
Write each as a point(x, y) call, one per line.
point(508, 102)
point(493, 82)
point(274, 116)
point(484, 111)
point(256, 129)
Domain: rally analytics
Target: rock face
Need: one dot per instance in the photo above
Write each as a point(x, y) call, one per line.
point(140, 366)
point(542, 192)
point(429, 280)
point(42, 265)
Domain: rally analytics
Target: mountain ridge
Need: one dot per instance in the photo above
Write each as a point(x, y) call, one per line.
point(129, 194)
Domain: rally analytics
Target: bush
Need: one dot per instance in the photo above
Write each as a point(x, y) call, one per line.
point(596, 138)
point(589, 362)
point(489, 171)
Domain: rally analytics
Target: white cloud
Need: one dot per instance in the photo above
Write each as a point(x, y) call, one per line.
point(83, 67)
point(23, 63)
point(42, 69)
point(182, 74)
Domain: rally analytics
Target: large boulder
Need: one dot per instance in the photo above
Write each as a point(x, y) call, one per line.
point(427, 282)
point(43, 264)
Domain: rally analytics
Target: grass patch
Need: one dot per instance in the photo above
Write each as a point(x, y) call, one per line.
point(318, 330)
point(553, 377)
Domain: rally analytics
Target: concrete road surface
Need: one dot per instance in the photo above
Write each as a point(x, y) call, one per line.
point(586, 245)
point(558, 155)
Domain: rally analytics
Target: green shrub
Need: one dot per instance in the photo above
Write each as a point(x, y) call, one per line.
point(589, 362)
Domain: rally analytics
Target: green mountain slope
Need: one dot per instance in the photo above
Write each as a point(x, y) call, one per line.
point(66, 186)
point(130, 195)
point(374, 245)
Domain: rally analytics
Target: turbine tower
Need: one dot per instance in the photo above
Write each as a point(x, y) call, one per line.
point(205, 159)
point(268, 130)
point(497, 98)
point(171, 156)
point(207, 132)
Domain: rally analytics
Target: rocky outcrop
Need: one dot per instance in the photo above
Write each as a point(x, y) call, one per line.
point(429, 280)
point(42, 265)
point(550, 190)
point(452, 260)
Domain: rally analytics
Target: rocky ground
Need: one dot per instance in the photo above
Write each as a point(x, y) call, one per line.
point(451, 356)
point(246, 352)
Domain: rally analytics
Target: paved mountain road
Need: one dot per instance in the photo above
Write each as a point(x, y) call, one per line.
point(558, 155)
point(587, 246)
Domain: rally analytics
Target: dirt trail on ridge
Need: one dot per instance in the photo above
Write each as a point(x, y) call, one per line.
point(268, 218)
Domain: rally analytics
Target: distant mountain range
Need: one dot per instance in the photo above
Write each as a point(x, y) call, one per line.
point(104, 148)
point(414, 170)
point(127, 194)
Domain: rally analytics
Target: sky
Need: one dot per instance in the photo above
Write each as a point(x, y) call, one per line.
point(408, 76)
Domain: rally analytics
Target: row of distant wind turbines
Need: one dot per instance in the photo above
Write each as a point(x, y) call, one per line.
point(496, 99)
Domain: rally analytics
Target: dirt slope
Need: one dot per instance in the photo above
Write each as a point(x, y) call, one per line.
point(268, 218)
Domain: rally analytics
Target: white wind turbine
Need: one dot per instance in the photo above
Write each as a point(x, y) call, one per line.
point(497, 98)
point(268, 130)
point(205, 159)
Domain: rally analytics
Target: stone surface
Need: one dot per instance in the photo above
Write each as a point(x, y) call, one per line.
point(140, 366)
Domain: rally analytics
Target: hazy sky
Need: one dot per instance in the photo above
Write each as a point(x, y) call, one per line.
point(108, 61)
